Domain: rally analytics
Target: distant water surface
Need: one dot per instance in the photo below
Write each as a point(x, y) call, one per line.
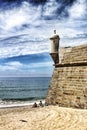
point(23, 88)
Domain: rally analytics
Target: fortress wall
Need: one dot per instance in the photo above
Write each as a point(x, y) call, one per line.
point(73, 54)
point(68, 86)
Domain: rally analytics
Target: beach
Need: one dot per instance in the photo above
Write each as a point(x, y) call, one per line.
point(43, 118)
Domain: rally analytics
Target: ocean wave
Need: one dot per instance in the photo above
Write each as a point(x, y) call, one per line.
point(22, 90)
point(10, 101)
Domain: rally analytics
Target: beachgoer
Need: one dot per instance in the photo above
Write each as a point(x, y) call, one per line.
point(41, 104)
point(46, 103)
point(34, 105)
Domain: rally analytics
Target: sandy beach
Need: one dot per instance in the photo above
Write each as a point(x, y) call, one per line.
point(43, 118)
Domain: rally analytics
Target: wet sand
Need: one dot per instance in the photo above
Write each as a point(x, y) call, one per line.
point(43, 118)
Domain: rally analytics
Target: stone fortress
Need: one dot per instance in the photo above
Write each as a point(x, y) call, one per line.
point(68, 86)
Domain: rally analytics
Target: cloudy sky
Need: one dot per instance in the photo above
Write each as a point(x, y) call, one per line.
point(25, 28)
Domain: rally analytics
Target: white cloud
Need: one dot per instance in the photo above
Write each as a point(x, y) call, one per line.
point(24, 49)
point(15, 63)
point(78, 9)
point(11, 66)
point(32, 69)
point(50, 8)
point(38, 65)
point(19, 16)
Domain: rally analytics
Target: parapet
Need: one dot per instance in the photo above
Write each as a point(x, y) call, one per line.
point(75, 54)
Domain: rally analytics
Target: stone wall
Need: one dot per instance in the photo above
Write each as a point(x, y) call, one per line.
point(68, 86)
point(73, 54)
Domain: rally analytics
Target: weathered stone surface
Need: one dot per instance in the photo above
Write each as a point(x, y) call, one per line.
point(73, 55)
point(68, 86)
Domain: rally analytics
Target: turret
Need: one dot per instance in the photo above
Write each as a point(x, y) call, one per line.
point(54, 51)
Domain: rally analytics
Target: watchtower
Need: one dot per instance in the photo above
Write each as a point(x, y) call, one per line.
point(54, 50)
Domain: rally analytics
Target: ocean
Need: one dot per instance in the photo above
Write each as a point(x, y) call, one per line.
point(23, 89)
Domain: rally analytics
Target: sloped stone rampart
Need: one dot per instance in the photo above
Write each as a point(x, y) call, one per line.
point(74, 54)
point(68, 86)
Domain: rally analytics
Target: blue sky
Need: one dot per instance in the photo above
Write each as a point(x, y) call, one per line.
point(25, 29)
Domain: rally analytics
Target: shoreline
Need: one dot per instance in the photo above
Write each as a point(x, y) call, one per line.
point(20, 104)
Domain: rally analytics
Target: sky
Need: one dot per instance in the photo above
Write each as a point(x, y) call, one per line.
point(25, 29)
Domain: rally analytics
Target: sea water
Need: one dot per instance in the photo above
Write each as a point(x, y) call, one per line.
point(21, 89)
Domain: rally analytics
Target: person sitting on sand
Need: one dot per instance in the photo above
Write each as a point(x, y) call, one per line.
point(41, 104)
point(46, 103)
point(34, 105)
